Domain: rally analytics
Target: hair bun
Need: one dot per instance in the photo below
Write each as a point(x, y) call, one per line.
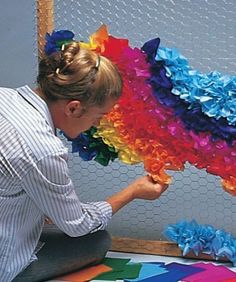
point(70, 51)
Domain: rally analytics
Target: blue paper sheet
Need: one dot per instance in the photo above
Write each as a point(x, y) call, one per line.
point(149, 270)
point(176, 272)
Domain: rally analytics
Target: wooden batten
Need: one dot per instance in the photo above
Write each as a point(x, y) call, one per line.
point(45, 22)
point(161, 248)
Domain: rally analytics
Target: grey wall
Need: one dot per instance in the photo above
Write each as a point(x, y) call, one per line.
point(17, 43)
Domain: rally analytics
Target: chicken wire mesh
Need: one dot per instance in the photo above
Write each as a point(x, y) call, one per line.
point(204, 32)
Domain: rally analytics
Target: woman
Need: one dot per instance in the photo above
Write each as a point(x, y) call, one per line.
point(76, 87)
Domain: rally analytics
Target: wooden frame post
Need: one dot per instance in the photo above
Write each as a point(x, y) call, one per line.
point(45, 22)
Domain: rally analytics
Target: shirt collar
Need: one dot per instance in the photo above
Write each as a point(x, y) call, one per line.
point(37, 102)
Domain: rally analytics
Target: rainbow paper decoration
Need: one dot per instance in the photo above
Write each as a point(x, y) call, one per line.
point(168, 115)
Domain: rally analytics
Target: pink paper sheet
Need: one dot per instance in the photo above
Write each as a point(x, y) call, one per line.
point(211, 273)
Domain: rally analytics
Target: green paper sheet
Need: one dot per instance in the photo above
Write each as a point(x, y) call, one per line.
point(115, 263)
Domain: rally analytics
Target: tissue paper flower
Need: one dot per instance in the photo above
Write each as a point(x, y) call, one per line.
point(168, 114)
point(191, 236)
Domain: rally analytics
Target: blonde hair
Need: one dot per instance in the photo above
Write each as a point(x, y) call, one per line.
point(80, 74)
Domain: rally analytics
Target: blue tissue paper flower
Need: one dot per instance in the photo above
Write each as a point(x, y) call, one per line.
point(91, 148)
point(191, 236)
point(56, 39)
point(170, 71)
point(214, 92)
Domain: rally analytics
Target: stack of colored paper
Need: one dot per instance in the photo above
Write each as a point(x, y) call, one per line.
point(113, 269)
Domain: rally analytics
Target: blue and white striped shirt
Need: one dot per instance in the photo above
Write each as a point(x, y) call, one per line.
point(34, 182)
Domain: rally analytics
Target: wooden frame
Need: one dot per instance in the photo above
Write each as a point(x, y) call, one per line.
point(45, 23)
point(161, 248)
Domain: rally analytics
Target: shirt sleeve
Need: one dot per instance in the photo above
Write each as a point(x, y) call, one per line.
point(48, 184)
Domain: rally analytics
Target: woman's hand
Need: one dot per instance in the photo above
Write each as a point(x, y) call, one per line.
point(145, 188)
point(142, 188)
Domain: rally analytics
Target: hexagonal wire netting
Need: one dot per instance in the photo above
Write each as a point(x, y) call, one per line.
point(204, 32)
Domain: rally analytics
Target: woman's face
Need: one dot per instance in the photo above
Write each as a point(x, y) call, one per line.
point(77, 119)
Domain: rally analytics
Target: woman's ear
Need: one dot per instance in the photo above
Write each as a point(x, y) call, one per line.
point(74, 109)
